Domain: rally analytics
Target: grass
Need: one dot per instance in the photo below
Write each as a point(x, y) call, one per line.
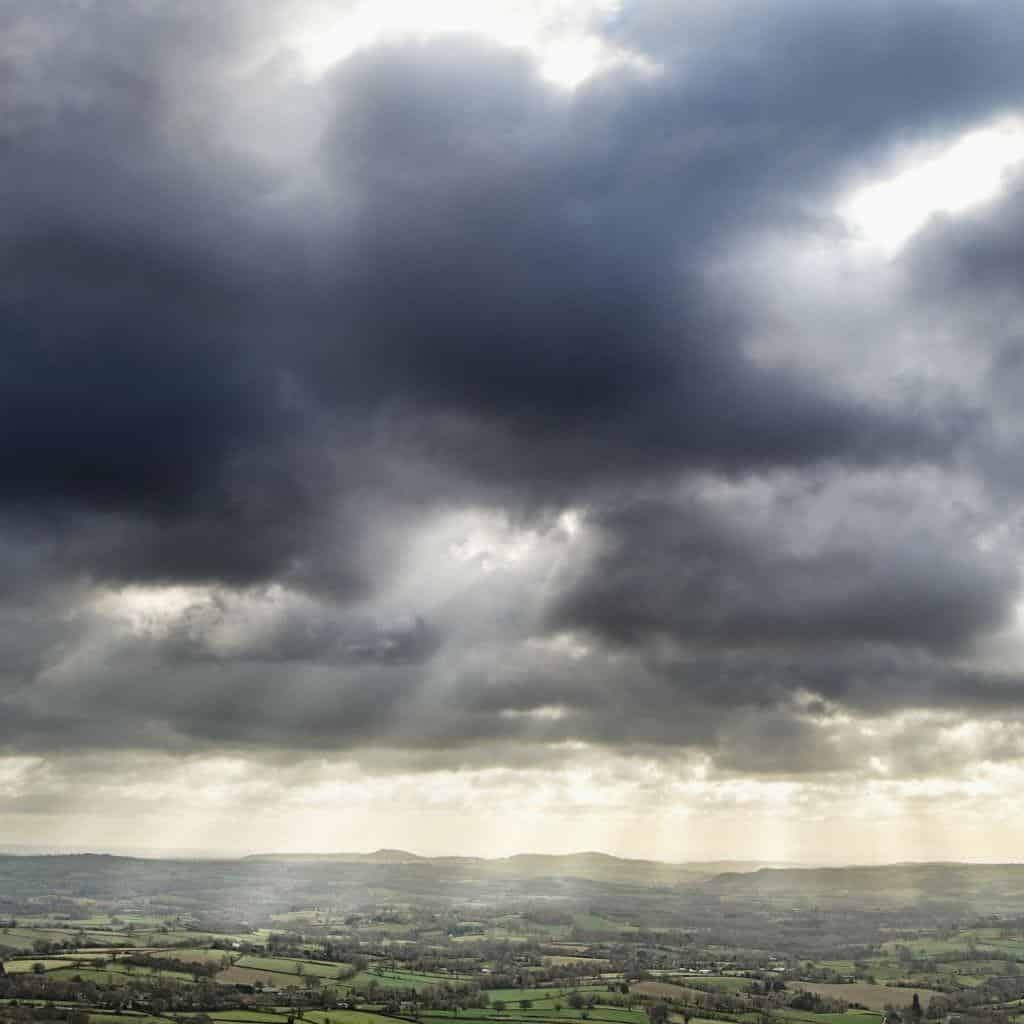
point(101, 977)
point(927, 947)
point(250, 976)
point(694, 1020)
point(171, 938)
point(665, 990)
point(290, 965)
point(196, 955)
point(114, 975)
point(346, 1017)
point(849, 1017)
point(101, 1017)
point(514, 995)
point(386, 979)
point(595, 923)
point(26, 966)
point(248, 1016)
point(514, 1015)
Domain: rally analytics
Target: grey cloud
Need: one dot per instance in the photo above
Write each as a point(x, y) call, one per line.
point(969, 262)
point(214, 631)
point(776, 69)
point(754, 711)
point(244, 353)
point(699, 572)
point(551, 324)
point(524, 279)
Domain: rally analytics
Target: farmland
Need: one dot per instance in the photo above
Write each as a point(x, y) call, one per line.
point(875, 997)
point(268, 941)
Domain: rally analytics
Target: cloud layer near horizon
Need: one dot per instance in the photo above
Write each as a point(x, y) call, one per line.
point(428, 414)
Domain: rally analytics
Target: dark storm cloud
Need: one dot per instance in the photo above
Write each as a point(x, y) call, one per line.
point(967, 264)
point(524, 265)
point(120, 385)
point(526, 278)
point(708, 577)
point(835, 80)
point(965, 275)
point(750, 713)
point(307, 634)
point(262, 330)
point(134, 381)
point(981, 255)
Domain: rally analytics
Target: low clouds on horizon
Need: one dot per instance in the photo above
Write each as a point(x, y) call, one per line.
point(428, 406)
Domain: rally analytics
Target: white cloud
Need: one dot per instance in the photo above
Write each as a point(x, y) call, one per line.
point(969, 171)
point(627, 805)
point(558, 32)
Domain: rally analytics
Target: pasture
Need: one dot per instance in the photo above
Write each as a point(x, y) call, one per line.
point(28, 965)
point(512, 996)
point(292, 965)
point(194, 955)
point(849, 1017)
point(236, 975)
point(666, 990)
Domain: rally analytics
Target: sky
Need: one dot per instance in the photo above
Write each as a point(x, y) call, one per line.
point(537, 426)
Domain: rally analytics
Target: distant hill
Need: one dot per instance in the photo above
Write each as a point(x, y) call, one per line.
point(377, 857)
point(993, 885)
point(674, 895)
point(983, 885)
point(604, 867)
point(590, 865)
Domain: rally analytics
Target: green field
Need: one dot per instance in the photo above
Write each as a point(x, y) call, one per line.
point(26, 966)
point(115, 975)
point(849, 1017)
point(595, 923)
point(346, 1017)
point(101, 1017)
point(249, 1017)
point(925, 947)
point(251, 976)
point(514, 1015)
point(396, 979)
point(195, 955)
point(514, 995)
point(101, 977)
point(292, 965)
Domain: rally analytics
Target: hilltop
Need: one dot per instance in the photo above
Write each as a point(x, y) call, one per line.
point(588, 864)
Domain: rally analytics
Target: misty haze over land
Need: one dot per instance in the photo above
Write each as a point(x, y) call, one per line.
point(390, 936)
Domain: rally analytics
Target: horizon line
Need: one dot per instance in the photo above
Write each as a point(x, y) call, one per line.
point(170, 853)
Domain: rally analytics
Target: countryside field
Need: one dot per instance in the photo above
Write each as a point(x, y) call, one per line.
point(875, 997)
point(346, 948)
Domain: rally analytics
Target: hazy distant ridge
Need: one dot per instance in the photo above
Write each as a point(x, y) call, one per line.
point(589, 864)
point(979, 887)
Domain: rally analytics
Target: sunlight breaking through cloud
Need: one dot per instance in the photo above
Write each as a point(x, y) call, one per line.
point(974, 169)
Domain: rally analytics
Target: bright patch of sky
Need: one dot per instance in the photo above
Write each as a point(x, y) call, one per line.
point(630, 806)
point(971, 170)
point(559, 32)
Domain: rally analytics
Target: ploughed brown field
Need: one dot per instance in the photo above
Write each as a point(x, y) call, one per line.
point(665, 990)
point(874, 997)
point(249, 976)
